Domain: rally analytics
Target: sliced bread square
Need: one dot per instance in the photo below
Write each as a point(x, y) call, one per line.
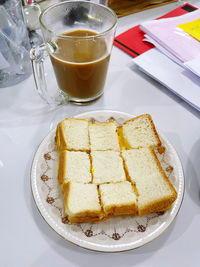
point(155, 191)
point(139, 132)
point(107, 167)
point(118, 198)
point(74, 166)
point(103, 136)
point(72, 134)
point(81, 202)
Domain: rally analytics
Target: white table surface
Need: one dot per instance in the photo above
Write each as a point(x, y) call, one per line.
point(25, 238)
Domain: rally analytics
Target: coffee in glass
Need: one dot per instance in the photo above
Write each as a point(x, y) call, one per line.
point(78, 38)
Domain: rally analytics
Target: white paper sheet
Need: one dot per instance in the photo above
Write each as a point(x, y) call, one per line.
point(192, 65)
point(182, 82)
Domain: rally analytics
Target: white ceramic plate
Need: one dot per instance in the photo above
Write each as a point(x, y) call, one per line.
point(118, 233)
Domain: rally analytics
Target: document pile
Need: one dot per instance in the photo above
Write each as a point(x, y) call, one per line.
point(175, 60)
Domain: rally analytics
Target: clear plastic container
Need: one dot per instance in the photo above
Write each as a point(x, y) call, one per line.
point(15, 63)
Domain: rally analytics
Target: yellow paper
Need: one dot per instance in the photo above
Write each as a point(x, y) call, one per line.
point(193, 28)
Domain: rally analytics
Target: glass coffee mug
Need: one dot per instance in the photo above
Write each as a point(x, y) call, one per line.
point(78, 39)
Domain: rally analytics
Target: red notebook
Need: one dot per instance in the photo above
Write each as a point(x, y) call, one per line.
point(132, 42)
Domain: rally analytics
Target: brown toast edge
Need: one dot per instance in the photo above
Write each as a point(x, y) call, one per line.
point(152, 125)
point(60, 137)
point(87, 215)
point(164, 203)
point(62, 166)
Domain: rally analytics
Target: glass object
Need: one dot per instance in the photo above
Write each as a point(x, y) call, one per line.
point(78, 39)
point(32, 12)
point(14, 44)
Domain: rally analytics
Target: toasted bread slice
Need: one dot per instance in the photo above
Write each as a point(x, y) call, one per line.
point(72, 134)
point(118, 198)
point(103, 136)
point(155, 191)
point(81, 202)
point(107, 167)
point(139, 132)
point(74, 166)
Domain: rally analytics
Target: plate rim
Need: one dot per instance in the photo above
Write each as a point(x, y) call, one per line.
point(89, 245)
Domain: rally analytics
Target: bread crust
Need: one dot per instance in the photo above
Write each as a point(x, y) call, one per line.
point(86, 216)
point(157, 206)
point(83, 219)
point(159, 143)
point(163, 203)
point(103, 123)
point(60, 136)
point(125, 209)
point(60, 140)
point(62, 166)
point(174, 193)
point(57, 138)
point(89, 219)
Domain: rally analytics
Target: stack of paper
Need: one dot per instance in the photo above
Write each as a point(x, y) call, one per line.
point(175, 62)
point(169, 37)
point(183, 83)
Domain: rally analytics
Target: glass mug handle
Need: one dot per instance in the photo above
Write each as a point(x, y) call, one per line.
point(37, 56)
